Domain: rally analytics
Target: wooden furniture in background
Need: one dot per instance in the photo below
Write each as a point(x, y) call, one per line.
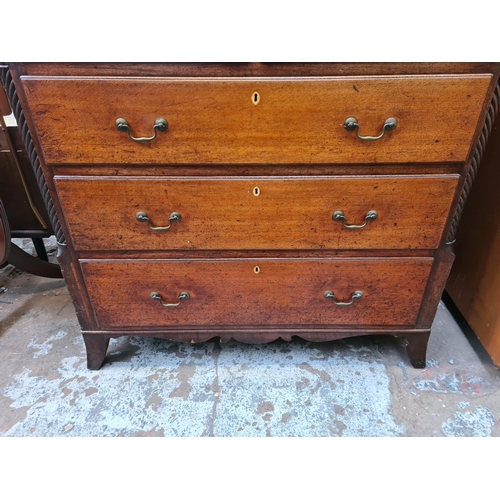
point(254, 201)
point(474, 282)
point(23, 207)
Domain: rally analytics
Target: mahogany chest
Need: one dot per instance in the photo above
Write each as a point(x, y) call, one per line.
point(254, 201)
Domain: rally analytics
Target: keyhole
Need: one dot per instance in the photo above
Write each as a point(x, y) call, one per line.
point(256, 98)
point(256, 269)
point(256, 191)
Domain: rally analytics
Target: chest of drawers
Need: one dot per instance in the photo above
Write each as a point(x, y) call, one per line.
point(254, 201)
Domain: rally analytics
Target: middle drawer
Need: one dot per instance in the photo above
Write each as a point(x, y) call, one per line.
point(379, 212)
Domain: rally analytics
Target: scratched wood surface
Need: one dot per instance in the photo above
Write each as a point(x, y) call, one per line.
point(230, 292)
point(252, 69)
point(218, 143)
point(256, 213)
point(296, 120)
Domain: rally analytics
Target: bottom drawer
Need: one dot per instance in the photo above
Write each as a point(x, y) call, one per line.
point(258, 292)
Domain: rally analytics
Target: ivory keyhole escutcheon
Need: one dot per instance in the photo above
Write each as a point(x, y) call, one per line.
point(256, 191)
point(256, 98)
point(256, 269)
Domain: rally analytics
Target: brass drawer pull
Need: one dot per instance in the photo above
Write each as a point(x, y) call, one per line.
point(338, 215)
point(143, 217)
point(157, 296)
point(351, 124)
point(123, 126)
point(356, 295)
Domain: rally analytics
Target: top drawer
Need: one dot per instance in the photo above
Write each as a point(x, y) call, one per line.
point(250, 121)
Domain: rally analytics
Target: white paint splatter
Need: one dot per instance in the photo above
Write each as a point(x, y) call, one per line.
point(114, 400)
point(476, 423)
point(297, 390)
point(339, 395)
point(44, 348)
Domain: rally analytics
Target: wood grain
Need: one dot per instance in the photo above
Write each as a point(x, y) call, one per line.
point(19, 191)
point(96, 346)
point(216, 132)
point(288, 213)
point(296, 121)
point(416, 348)
point(474, 281)
point(229, 292)
point(443, 260)
point(259, 335)
point(4, 103)
point(231, 170)
point(254, 69)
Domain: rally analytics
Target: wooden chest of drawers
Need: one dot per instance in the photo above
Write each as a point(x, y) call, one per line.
point(254, 201)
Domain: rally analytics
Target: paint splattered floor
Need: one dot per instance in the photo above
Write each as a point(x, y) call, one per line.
point(151, 387)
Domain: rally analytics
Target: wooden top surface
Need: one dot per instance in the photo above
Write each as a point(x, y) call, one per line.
point(251, 69)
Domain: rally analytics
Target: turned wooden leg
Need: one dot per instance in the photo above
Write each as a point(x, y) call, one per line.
point(96, 345)
point(416, 347)
point(41, 251)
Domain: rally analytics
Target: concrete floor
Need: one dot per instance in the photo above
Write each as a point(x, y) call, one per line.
point(151, 387)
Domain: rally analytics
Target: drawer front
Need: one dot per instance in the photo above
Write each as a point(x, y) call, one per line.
point(256, 292)
point(256, 213)
point(249, 121)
